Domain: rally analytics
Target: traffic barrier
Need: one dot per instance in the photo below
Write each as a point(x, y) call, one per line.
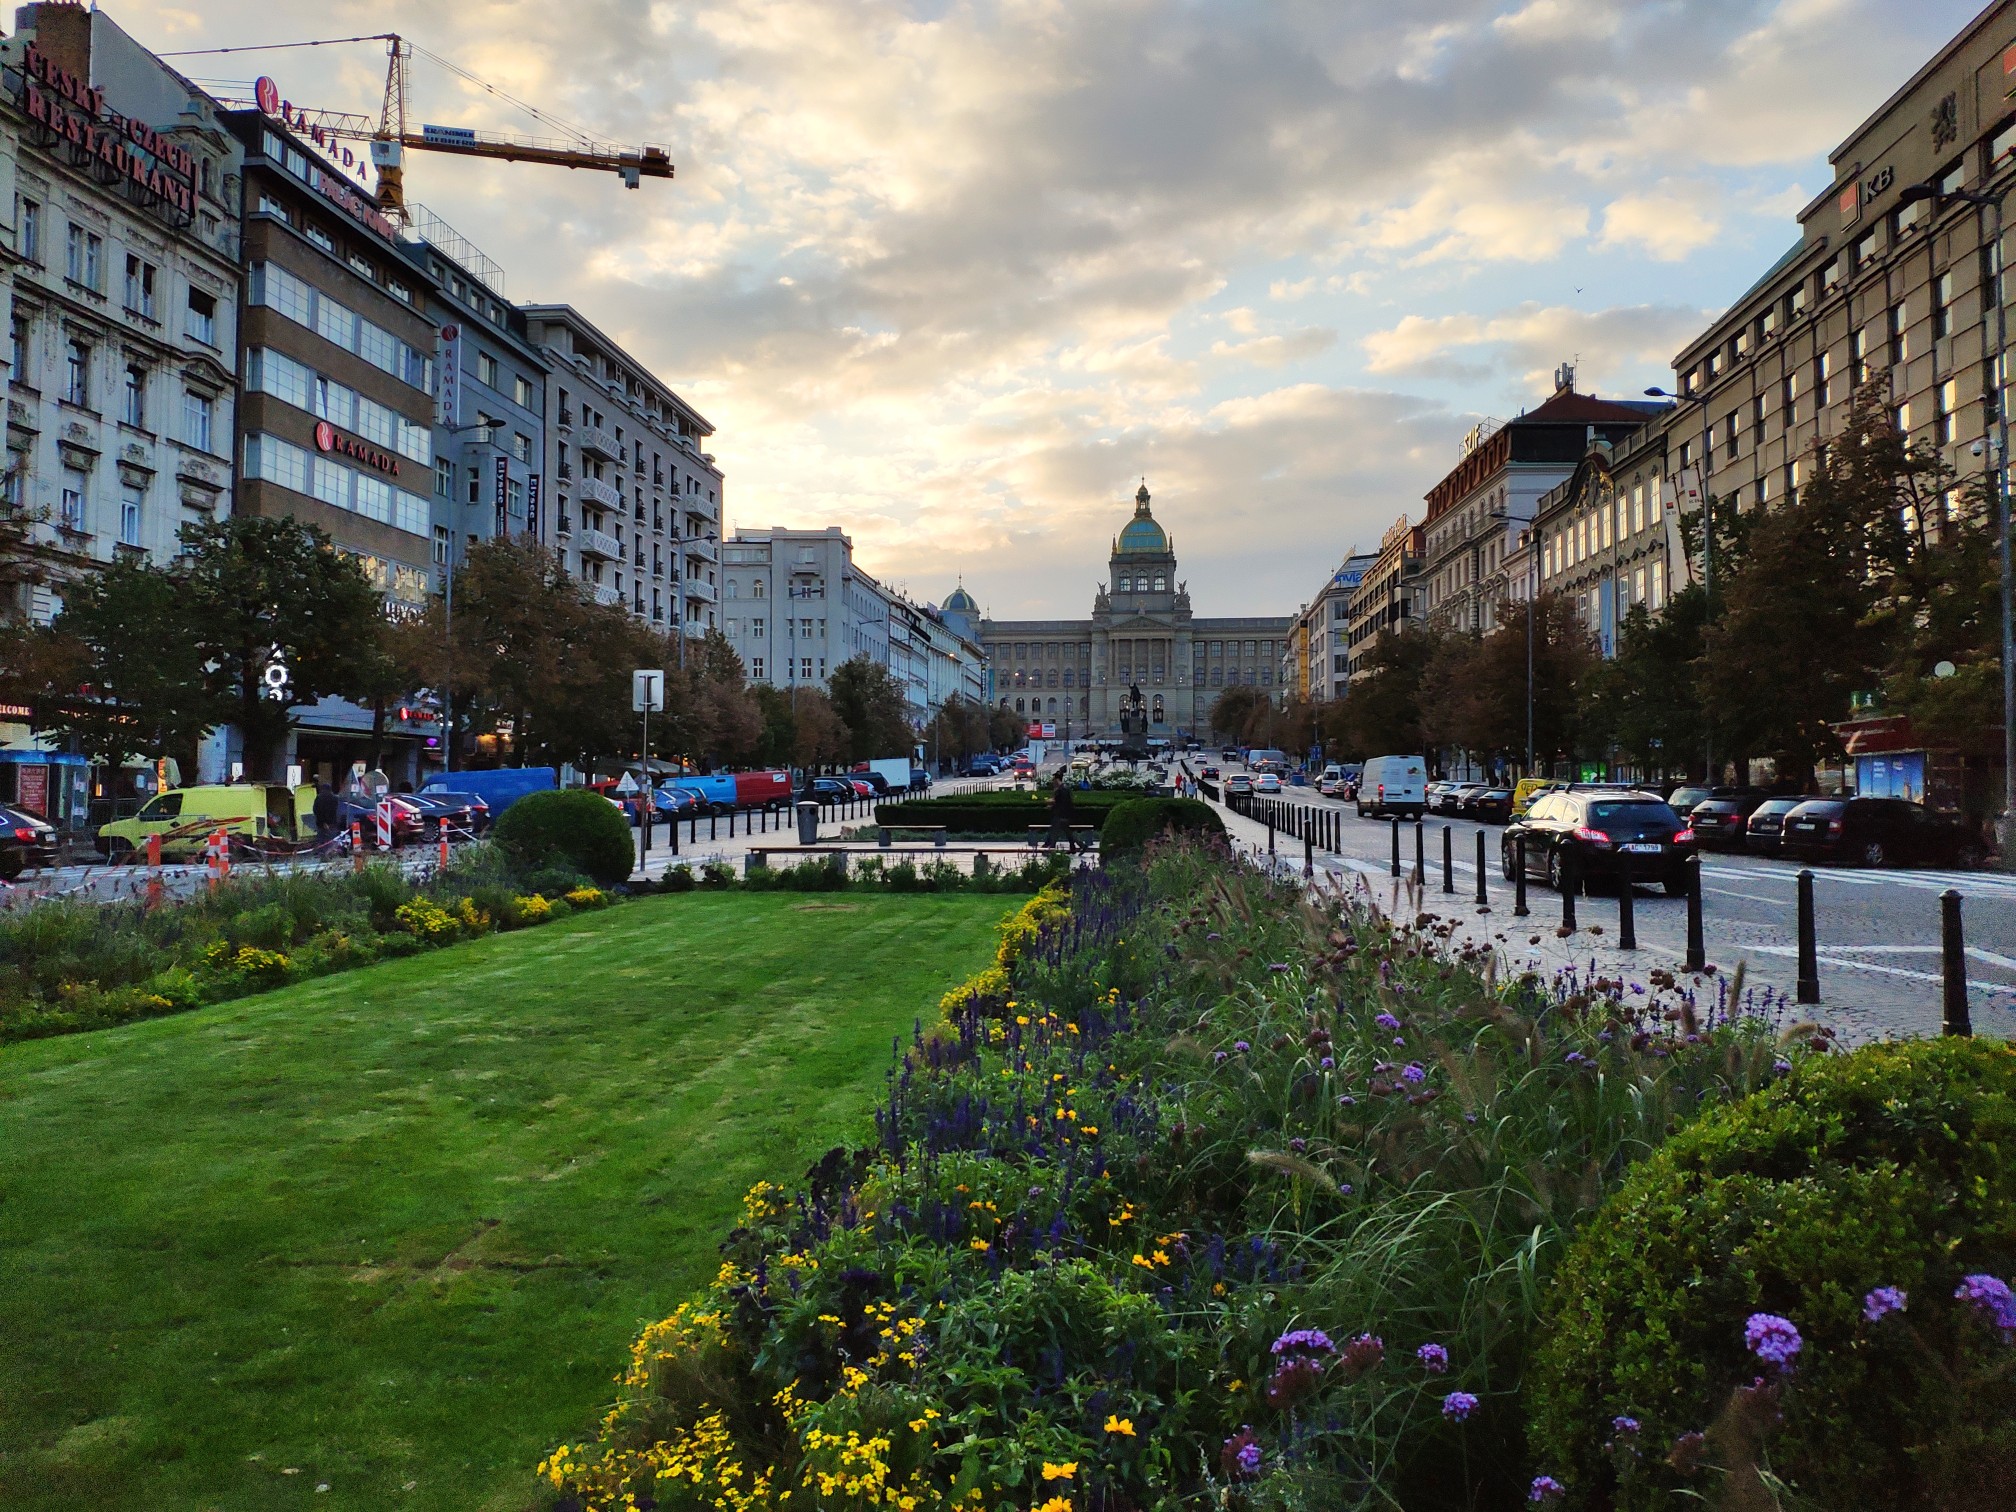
point(1308, 855)
point(154, 891)
point(1809, 952)
point(357, 845)
point(1396, 845)
point(384, 816)
point(1483, 898)
point(1956, 1019)
point(213, 858)
point(1420, 869)
point(444, 844)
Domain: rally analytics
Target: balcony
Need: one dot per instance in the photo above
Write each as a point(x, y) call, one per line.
point(701, 591)
point(598, 442)
point(599, 543)
point(603, 594)
point(594, 491)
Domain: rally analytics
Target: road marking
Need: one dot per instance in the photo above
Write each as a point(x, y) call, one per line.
point(1753, 897)
point(1896, 971)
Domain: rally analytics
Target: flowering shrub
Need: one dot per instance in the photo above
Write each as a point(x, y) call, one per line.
point(531, 908)
point(1019, 931)
point(587, 897)
point(427, 920)
point(1162, 1221)
point(1760, 1290)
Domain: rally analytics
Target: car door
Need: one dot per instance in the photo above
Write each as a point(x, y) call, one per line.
point(1533, 828)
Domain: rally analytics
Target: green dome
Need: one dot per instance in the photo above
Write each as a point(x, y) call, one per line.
point(959, 601)
point(1143, 534)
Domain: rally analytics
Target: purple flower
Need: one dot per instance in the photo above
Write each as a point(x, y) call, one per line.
point(1782, 1066)
point(1387, 1022)
point(1413, 1072)
point(1545, 1489)
point(1458, 1405)
point(1329, 1064)
point(1309, 1340)
point(1433, 1357)
point(1363, 1354)
point(1576, 1057)
point(1883, 1301)
point(1217, 1056)
point(1774, 1340)
point(1623, 1425)
point(1347, 1101)
point(1990, 1297)
point(1241, 1455)
point(1241, 1046)
point(1298, 1144)
point(1400, 1042)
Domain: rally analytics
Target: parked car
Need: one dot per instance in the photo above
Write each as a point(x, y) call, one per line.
point(1601, 834)
point(1721, 822)
point(1527, 788)
point(1463, 794)
point(26, 840)
point(920, 780)
point(412, 822)
point(1684, 797)
point(1239, 785)
point(1489, 805)
point(1875, 832)
point(827, 790)
point(463, 811)
point(1762, 829)
point(1267, 782)
point(678, 803)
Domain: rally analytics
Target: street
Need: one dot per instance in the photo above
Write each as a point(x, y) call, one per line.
point(1877, 931)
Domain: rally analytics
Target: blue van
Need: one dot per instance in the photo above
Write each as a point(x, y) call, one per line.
point(499, 789)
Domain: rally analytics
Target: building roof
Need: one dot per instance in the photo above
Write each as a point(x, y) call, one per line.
point(959, 601)
point(1142, 534)
point(1567, 406)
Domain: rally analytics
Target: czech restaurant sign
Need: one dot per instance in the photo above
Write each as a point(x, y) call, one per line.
point(160, 172)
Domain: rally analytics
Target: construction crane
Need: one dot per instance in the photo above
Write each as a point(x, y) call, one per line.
point(389, 136)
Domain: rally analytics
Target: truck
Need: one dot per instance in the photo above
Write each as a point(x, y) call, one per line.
point(1393, 785)
point(1266, 760)
point(893, 770)
point(499, 788)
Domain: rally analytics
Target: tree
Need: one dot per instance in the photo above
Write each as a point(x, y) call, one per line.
point(1005, 729)
point(958, 730)
point(819, 735)
point(873, 709)
point(1237, 711)
point(1380, 714)
point(1646, 700)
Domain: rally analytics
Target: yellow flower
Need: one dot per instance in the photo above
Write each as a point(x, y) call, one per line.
point(1120, 1425)
point(981, 1245)
point(1056, 1504)
point(1060, 1472)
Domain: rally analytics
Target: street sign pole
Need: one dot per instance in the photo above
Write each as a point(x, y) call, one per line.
point(647, 692)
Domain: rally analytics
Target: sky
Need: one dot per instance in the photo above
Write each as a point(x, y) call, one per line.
point(957, 274)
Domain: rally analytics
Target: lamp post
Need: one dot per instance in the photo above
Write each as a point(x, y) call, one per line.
point(1992, 200)
point(1707, 563)
point(1532, 592)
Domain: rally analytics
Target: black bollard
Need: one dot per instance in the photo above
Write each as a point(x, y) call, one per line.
point(1396, 845)
point(1519, 909)
point(1483, 898)
point(1308, 856)
point(1448, 862)
point(1420, 870)
point(673, 826)
point(1697, 948)
point(712, 831)
point(1953, 952)
point(1809, 950)
point(1270, 834)
point(1627, 916)
point(1570, 881)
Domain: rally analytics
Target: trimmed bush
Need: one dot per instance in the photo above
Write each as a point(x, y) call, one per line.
point(1134, 823)
point(1001, 813)
point(575, 829)
point(1891, 1167)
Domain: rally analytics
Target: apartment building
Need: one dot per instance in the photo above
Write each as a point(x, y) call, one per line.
point(1608, 536)
point(796, 605)
point(1390, 597)
point(636, 507)
point(122, 292)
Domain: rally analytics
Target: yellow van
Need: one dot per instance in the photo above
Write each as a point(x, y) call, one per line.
point(1522, 794)
point(185, 818)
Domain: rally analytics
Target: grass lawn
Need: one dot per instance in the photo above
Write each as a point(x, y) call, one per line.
point(389, 1232)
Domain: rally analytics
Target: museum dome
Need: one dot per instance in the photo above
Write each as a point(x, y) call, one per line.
point(959, 601)
point(1142, 534)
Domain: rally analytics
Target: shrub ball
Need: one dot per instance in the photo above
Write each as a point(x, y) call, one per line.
point(1131, 825)
point(574, 828)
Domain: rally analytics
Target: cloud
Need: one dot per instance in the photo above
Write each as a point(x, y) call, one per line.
point(1611, 348)
point(1668, 222)
point(1276, 351)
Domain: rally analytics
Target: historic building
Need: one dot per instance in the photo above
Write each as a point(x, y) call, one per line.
point(1073, 673)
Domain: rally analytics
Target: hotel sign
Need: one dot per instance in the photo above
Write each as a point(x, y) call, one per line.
point(127, 151)
point(340, 443)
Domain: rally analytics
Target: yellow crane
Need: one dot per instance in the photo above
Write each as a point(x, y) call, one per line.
point(389, 136)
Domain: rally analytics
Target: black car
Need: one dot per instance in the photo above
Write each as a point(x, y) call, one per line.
point(25, 840)
point(1721, 822)
point(828, 790)
point(463, 811)
point(1488, 805)
point(1765, 826)
point(1602, 834)
point(1875, 832)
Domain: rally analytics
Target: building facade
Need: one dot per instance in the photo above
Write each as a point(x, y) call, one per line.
point(796, 605)
point(1389, 598)
point(637, 504)
point(1141, 633)
point(122, 289)
point(1607, 536)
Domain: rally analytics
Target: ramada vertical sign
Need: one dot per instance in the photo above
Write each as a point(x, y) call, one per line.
point(72, 112)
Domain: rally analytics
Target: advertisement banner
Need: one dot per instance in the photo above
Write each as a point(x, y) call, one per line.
point(449, 365)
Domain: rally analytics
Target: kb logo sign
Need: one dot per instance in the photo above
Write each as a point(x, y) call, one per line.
point(276, 681)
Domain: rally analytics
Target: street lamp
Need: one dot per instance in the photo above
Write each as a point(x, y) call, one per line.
point(1532, 592)
point(1993, 200)
point(1707, 562)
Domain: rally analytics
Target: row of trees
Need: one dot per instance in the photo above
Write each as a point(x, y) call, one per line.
point(1880, 579)
point(146, 659)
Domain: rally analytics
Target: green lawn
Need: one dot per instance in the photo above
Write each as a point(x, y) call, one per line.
point(390, 1232)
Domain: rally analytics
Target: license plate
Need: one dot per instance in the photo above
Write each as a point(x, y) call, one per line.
point(1640, 850)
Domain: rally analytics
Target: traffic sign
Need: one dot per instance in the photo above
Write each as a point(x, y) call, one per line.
point(647, 690)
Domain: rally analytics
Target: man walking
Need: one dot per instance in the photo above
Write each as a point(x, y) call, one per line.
point(1061, 808)
point(328, 814)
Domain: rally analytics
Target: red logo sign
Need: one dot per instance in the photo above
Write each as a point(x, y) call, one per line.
point(325, 436)
point(267, 93)
point(330, 439)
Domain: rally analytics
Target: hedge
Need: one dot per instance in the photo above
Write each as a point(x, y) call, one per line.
point(1132, 824)
point(1893, 1167)
point(999, 813)
point(573, 828)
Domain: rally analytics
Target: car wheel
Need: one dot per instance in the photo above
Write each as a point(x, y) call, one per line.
point(1361, 811)
point(1505, 867)
point(1873, 853)
point(1554, 878)
point(117, 851)
point(12, 865)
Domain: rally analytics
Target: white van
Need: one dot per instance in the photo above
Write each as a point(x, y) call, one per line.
point(1393, 785)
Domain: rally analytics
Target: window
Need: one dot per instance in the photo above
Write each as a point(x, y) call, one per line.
point(77, 375)
point(1795, 302)
point(1788, 398)
point(1658, 583)
point(1865, 251)
point(1732, 434)
point(2000, 146)
point(442, 542)
point(756, 628)
point(361, 264)
point(521, 447)
point(1637, 507)
point(1900, 334)
point(486, 369)
point(1902, 416)
point(757, 589)
point(1953, 178)
point(133, 401)
point(85, 259)
point(756, 667)
point(71, 508)
point(139, 287)
point(1858, 357)
point(1759, 408)
point(399, 291)
point(1942, 305)
point(320, 237)
point(199, 413)
point(129, 515)
point(1823, 382)
point(17, 352)
point(1905, 217)
point(201, 324)
point(28, 223)
point(521, 391)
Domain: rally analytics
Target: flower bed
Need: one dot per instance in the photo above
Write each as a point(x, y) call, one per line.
point(1222, 1193)
point(68, 966)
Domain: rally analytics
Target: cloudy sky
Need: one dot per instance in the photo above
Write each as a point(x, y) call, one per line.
point(955, 273)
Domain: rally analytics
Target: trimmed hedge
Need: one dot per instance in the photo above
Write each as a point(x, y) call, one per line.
point(573, 828)
point(999, 813)
point(1891, 1167)
point(1134, 823)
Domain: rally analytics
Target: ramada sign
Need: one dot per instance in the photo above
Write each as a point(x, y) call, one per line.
point(330, 439)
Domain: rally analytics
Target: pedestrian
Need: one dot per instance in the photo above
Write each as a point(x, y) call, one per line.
point(328, 814)
point(1060, 812)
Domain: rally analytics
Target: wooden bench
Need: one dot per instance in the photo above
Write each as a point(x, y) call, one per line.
point(935, 831)
point(1081, 835)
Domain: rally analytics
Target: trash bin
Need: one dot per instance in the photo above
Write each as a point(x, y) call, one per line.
point(808, 824)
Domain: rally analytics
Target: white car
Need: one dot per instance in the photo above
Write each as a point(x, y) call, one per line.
point(1267, 782)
